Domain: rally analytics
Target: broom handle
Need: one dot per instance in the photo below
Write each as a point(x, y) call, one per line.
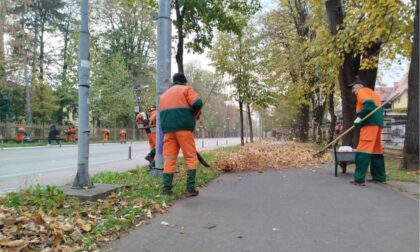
point(208, 96)
point(349, 129)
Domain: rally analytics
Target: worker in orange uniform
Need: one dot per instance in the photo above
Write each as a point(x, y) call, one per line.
point(369, 148)
point(73, 134)
point(147, 121)
point(20, 132)
point(123, 136)
point(67, 132)
point(179, 108)
point(105, 135)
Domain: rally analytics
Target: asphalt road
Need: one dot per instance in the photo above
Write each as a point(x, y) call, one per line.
point(24, 167)
point(288, 211)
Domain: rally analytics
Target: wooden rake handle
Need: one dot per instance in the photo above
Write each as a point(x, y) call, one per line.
point(349, 129)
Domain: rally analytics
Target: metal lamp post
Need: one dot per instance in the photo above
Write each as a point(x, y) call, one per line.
point(163, 70)
point(82, 179)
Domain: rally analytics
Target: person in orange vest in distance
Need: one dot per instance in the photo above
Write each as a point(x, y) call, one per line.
point(369, 148)
point(67, 132)
point(147, 121)
point(123, 136)
point(105, 135)
point(73, 134)
point(20, 132)
point(179, 109)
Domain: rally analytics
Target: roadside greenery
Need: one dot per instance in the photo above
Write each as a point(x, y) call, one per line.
point(43, 217)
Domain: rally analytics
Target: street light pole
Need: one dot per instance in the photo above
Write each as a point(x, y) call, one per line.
point(163, 70)
point(82, 179)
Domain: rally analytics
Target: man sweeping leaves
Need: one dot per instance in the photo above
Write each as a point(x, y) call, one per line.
point(369, 148)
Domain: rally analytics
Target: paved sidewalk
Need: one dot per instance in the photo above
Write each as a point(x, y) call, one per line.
point(289, 210)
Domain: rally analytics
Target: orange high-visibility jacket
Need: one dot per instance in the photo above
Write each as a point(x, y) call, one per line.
point(367, 101)
point(177, 107)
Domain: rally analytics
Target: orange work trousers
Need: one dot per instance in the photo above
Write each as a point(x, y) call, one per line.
point(172, 142)
point(152, 140)
point(19, 137)
point(370, 140)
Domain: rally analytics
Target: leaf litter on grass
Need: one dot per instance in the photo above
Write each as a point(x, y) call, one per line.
point(28, 228)
point(263, 155)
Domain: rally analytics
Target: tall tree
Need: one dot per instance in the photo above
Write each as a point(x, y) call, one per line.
point(360, 33)
point(43, 103)
point(236, 58)
point(12, 103)
point(199, 19)
point(66, 91)
point(286, 31)
point(411, 142)
point(128, 30)
point(45, 13)
point(228, 60)
point(2, 51)
point(111, 93)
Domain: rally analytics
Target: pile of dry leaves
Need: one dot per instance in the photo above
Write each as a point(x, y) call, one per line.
point(264, 155)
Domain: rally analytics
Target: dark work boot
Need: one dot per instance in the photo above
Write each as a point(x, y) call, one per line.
point(191, 190)
point(151, 155)
point(167, 183)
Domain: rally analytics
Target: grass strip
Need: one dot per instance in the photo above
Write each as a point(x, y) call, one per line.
point(44, 219)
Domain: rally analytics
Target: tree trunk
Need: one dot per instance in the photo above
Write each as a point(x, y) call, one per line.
point(241, 114)
point(348, 100)
point(251, 132)
point(3, 78)
point(65, 49)
point(411, 142)
point(28, 94)
point(60, 113)
point(332, 115)
point(314, 127)
point(180, 45)
point(349, 71)
point(303, 123)
point(41, 52)
point(318, 115)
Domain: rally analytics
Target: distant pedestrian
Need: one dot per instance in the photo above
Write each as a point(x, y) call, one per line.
point(54, 134)
point(73, 134)
point(20, 132)
point(369, 149)
point(123, 137)
point(68, 134)
point(105, 135)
